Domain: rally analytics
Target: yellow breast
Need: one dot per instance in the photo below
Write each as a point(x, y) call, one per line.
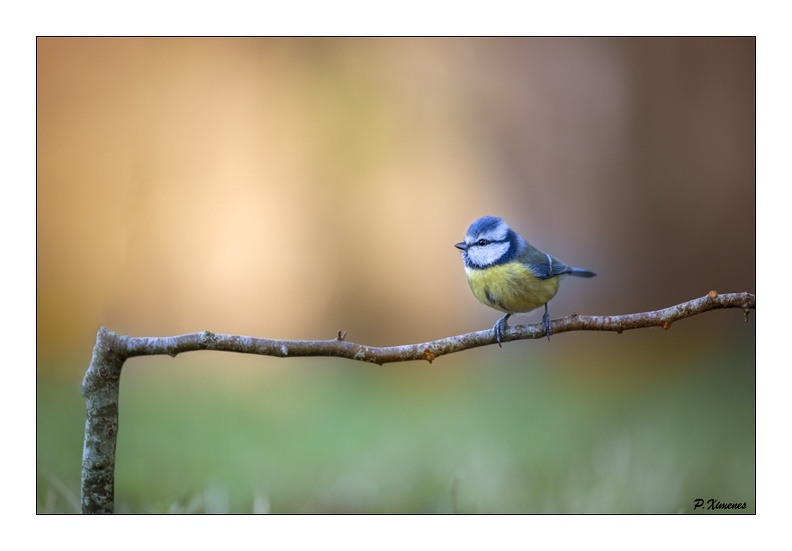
point(511, 287)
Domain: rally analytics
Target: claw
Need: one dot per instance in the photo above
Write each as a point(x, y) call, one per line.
point(499, 327)
point(546, 323)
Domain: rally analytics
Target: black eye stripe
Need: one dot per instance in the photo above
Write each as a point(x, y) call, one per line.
point(484, 242)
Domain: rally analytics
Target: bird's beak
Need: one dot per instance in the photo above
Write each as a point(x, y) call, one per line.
point(461, 246)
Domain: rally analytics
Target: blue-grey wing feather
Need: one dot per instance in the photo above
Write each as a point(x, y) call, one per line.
point(543, 265)
point(554, 267)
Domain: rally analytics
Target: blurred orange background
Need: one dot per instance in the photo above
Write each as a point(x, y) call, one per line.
point(290, 188)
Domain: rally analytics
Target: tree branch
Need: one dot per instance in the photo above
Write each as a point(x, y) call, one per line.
point(101, 384)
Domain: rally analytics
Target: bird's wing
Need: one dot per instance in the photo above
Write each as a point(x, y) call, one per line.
point(547, 267)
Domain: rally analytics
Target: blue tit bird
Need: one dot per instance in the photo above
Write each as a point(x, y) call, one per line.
point(507, 273)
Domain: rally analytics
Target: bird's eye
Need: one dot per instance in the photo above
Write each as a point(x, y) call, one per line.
point(482, 242)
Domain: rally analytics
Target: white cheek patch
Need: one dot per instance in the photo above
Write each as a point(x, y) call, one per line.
point(488, 254)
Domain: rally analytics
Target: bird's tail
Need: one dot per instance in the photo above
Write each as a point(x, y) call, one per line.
point(580, 272)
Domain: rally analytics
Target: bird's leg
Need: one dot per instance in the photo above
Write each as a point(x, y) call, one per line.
point(546, 323)
point(499, 327)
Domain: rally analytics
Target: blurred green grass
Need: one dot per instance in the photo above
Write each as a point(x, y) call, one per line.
point(536, 432)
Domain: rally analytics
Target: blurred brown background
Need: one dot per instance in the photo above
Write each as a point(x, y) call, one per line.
point(288, 188)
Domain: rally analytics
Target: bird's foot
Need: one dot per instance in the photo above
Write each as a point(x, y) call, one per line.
point(500, 327)
point(548, 328)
